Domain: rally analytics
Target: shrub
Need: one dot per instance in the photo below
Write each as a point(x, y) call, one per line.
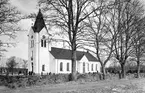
point(58, 78)
point(12, 85)
point(33, 80)
point(88, 77)
point(128, 69)
point(23, 81)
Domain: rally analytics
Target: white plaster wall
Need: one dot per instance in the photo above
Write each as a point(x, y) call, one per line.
point(83, 60)
point(53, 64)
point(99, 66)
point(94, 66)
point(78, 66)
point(30, 49)
point(88, 63)
point(44, 60)
point(35, 50)
point(29, 60)
point(41, 55)
point(44, 55)
point(64, 66)
point(36, 54)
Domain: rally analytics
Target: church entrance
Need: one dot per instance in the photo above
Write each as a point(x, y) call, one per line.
point(32, 67)
point(83, 67)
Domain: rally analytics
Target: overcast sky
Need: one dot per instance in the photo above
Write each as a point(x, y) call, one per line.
point(21, 49)
point(26, 7)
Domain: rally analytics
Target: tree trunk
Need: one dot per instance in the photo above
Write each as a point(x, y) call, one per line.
point(7, 74)
point(103, 72)
point(122, 70)
point(74, 72)
point(12, 70)
point(138, 69)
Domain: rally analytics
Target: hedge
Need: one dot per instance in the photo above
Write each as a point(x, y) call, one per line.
point(27, 81)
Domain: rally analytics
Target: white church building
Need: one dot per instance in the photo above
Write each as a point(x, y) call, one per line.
point(43, 58)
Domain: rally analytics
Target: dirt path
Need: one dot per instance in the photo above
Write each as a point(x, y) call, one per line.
point(107, 86)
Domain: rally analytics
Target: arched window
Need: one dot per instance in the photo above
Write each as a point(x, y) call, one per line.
point(43, 37)
point(32, 66)
point(41, 42)
point(31, 37)
point(32, 43)
point(31, 55)
point(61, 66)
point(43, 67)
point(92, 67)
point(88, 66)
point(96, 68)
point(67, 66)
point(44, 43)
point(84, 68)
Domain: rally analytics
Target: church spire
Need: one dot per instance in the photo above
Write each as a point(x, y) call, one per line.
point(39, 23)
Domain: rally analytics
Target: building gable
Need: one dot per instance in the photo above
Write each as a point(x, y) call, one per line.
point(43, 33)
point(84, 59)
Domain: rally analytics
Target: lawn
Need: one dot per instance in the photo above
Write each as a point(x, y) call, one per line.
point(104, 86)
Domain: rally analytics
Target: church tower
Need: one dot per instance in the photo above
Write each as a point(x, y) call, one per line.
point(38, 47)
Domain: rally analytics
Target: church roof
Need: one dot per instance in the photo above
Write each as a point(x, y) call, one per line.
point(60, 53)
point(39, 23)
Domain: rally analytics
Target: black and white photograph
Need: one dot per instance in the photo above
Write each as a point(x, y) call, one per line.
point(72, 46)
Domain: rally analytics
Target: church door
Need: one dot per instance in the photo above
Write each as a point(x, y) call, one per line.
point(32, 67)
point(83, 67)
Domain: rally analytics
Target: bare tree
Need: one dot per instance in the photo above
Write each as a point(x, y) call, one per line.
point(9, 18)
point(25, 64)
point(100, 35)
point(69, 16)
point(126, 13)
point(11, 64)
point(139, 43)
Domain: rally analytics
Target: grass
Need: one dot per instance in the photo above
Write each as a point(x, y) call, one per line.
point(104, 86)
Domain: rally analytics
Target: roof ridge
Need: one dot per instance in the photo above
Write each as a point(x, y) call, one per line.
point(68, 49)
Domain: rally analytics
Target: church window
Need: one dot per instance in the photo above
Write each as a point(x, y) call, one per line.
point(44, 43)
point(43, 67)
point(96, 67)
point(32, 66)
point(67, 66)
point(88, 66)
point(31, 37)
point(43, 37)
point(32, 43)
point(61, 66)
point(92, 67)
point(32, 56)
point(41, 42)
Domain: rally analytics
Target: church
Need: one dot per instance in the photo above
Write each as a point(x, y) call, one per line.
point(42, 58)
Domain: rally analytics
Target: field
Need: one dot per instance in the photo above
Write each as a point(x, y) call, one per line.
point(104, 86)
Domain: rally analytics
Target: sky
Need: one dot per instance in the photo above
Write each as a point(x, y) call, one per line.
point(21, 48)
